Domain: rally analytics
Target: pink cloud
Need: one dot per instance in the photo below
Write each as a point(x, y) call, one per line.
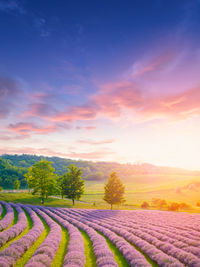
point(74, 113)
point(10, 138)
point(96, 155)
point(90, 142)
point(178, 106)
point(155, 65)
point(39, 110)
point(89, 128)
point(27, 129)
point(113, 98)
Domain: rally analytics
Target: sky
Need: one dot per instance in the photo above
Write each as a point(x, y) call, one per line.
point(101, 80)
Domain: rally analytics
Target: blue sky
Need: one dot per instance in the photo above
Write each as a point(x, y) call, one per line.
point(101, 80)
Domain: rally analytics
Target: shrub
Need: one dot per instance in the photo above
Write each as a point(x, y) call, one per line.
point(159, 203)
point(145, 205)
point(198, 204)
point(174, 206)
point(184, 206)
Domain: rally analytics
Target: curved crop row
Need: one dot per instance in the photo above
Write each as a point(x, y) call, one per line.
point(129, 252)
point(75, 251)
point(1, 209)
point(16, 229)
point(8, 218)
point(10, 255)
point(101, 250)
point(179, 250)
point(161, 258)
point(47, 250)
point(144, 238)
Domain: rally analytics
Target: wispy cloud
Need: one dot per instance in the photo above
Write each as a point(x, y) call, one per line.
point(88, 128)
point(74, 113)
point(90, 142)
point(27, 129)
point(94, 155)
point(41, 110)
point(9, 94)
point(41, 25)
point(156, 64)
point(12, 6)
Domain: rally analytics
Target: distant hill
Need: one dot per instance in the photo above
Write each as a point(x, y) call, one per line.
point(14, 167)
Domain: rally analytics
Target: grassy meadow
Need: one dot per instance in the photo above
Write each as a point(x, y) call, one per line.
point(143, 188)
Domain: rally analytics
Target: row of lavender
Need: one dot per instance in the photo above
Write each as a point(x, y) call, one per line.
point(167, 238)
point(75, 254)
point(143, 237)
point(46, 252)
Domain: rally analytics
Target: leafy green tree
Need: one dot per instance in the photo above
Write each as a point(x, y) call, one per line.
point(114, 190)
point(16, 184)
point(41, 179)
point(72, 185)
point(60, 182)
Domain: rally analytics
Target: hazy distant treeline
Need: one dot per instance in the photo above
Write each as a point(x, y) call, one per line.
point(13, 167)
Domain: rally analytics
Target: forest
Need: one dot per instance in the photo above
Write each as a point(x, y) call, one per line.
point(13, 167)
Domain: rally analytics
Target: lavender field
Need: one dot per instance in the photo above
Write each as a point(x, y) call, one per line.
point(141, 237)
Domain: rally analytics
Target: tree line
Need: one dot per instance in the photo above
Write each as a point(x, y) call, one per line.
point(13, 167)
point(43, 180)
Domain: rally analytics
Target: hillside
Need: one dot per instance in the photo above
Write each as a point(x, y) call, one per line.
point(14, 167)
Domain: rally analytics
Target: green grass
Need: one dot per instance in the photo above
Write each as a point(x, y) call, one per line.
point(89, 253)
point(27, 255)
point(62, 250)
point(93, 197)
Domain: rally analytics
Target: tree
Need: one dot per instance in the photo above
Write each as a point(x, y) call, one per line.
point(72, 185)
point(114, 190)
point(16, 184)
point(42, 179)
